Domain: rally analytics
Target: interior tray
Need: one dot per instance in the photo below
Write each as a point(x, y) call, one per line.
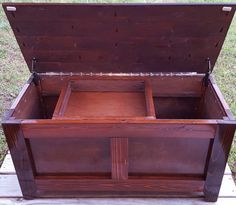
point(112, 99)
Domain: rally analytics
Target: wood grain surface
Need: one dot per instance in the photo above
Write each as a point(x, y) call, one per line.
point(142, 38)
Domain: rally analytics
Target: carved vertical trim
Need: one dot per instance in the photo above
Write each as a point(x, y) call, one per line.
point(119, 152)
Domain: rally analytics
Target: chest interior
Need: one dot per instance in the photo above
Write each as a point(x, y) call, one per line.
point(147, 98)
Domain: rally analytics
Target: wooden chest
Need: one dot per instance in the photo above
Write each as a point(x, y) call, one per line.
point(121, 100)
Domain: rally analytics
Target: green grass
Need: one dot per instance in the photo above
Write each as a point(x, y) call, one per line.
point(14, 72)
point(225, 75)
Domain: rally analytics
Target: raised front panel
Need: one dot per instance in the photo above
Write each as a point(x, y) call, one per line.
point(71, 156)
point(140, 156)
point(167, 156)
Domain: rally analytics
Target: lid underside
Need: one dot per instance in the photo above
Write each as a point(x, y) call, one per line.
point(119, 38)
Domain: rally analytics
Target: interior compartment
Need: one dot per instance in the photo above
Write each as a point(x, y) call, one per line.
point(116, 98)
point(177, 107)
point(109, 99)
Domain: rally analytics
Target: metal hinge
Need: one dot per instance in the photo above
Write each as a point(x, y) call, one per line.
point(119, 74)
point(33, 63)
point(36, 78)
point(208, 73)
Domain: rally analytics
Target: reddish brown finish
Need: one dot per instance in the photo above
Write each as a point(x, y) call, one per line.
point(29, 105)
point(89, 151)
point(149, 100)
point(119, 148)
point(105, 105)
point(164, 156)
point(177, 107)
point(189, 86)
point(221, 101)
point(21, 158)
point(60, 185)
point(62, 101)
point(80, 156)
point(79, 100)
point(74, 38)
point(104, 134)
point(119, 128)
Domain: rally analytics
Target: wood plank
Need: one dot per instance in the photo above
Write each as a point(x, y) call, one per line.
point(29, 105)
point(79, 156)
point(96, 67)
point(126, 28)
point(178, 86)
point(63, 187)
point(54, 128)
point(7, 166)
point(62, 101)
point(149, 100)
point(228, 188)
point(117, 201)
point(118, 22)
point(167, 156)
point(177, 107)
point(57, 43)
point(105, 105)
point(207, 110)
point(220, 98)
point(119, 152)
point(98, 56)
point(9, 186)
point(107, 10)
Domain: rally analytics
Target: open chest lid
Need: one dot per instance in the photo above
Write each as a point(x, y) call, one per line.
point(119, 38)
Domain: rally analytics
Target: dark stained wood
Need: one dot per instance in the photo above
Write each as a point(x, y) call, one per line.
point(180, 41)
point(218, 158)
point(149, 100)
point(103, 101)
point(206, 110)
point(124, 128)
point(105, 105)
point(62, 101)
point(125, 111)
point(221, 101)
point(21, 157)
point(177, 107)
point(189, 86)
point(23, 91)
point(79, 156)
point(119, 152)
point(60, 185)
point(29, 106)
point(107, 85)
point(50, 104)
point(156, 156)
